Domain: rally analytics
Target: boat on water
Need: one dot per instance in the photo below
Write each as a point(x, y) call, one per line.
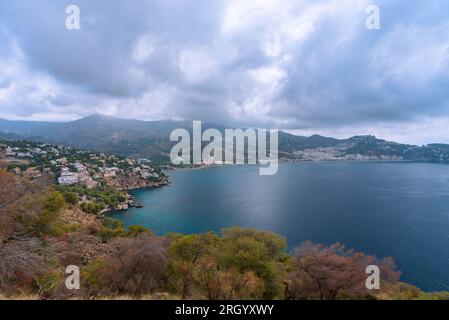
point(138, 205)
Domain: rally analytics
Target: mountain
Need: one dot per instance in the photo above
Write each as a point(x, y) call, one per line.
point(102, 133)
point(150, 139)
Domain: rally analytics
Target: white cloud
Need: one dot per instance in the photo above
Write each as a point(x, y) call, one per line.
point(196, 64)
point(143, 49)
point(412, 54)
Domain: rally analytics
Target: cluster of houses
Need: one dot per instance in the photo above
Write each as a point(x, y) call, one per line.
point(81, 176)
point(70, 166)
point(67, 177)
point(14, 152)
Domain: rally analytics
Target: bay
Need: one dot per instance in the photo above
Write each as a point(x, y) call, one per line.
point(386, 209)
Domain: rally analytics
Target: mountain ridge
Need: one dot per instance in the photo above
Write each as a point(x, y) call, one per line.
point(150, 139)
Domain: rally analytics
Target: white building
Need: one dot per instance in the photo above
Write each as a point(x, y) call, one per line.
point(67, 177)
point(9, 152)
point(24, 155)
point(80, 167)
point(143, 161)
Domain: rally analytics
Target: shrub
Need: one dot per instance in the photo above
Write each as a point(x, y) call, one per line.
point(49, 218)
point(112, 229)
point(334, 272)
point(134, 231)
point(243, 263)
point(91, 207)
point(70, 197)
point(137, 267)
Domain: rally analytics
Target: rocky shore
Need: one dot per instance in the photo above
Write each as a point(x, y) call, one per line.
point(127, 184)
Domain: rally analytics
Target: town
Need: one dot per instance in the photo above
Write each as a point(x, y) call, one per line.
point(74, 169)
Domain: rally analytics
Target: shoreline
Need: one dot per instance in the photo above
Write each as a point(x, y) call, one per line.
point(283, 161)
point(130, 197)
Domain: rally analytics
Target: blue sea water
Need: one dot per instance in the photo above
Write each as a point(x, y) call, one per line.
point(386, 209)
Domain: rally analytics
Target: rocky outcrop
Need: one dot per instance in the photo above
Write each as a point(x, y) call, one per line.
point(75, 216)
point(134, 181)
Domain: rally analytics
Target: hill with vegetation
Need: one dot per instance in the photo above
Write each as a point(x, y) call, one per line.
point(98, 177)
point(150, 139)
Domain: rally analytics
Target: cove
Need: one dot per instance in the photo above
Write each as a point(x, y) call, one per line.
point(386, 209)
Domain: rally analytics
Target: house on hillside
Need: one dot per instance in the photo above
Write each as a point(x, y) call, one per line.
point(10, 152)
point(67, 177)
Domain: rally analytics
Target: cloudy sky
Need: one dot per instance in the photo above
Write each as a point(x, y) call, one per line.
point(310, 66)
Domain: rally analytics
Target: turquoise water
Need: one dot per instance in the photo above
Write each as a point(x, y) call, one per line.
point(387, 209)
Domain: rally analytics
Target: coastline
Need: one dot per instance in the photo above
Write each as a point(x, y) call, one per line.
point(130, 200)
point(202, 167)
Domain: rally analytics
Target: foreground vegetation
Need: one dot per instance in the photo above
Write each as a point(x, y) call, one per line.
point(42, 231)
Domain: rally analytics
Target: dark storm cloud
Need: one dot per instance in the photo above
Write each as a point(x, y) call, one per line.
point(297, 64)
point(99, 55)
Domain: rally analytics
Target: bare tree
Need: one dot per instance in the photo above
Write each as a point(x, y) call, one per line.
point(136, 267)
point(334, 272)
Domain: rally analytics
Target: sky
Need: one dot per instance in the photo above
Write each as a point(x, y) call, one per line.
point(305, 66)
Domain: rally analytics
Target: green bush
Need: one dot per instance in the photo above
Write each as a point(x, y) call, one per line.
point(91, 207)
point(48, 220)
point(70, 197)
point(134, 231)
point(103, 194)
point(112, 229)
point(199, 263)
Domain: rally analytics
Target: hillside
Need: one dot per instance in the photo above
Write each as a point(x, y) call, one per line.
point(150, 139)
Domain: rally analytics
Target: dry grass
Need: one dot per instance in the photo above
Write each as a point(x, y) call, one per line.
point(156, 296)
point(22, 297)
